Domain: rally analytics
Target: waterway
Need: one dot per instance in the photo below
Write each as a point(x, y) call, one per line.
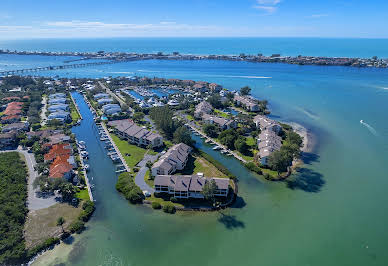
point(334, 215)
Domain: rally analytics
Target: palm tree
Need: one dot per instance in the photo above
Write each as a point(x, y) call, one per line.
point(60, 222)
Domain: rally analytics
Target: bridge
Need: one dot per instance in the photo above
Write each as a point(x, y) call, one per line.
point(60, 67)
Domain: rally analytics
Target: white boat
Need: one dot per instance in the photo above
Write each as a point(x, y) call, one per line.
point(84, 154)
point(361, 121)
point(86, 167)
point(217, 148)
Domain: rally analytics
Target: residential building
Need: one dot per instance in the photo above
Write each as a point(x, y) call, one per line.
point(100, 96)
point(17, 127)
point(246, 102)
point(10, 119)
point(60, 115)
point(268, 142)
point(7, 139)
point(189, 186)
point(58, 107)
point(111, 109)
point(203, 107)
point(173, 160)
point(57, 101)
point(140, 136)
point(104, 101)
point(264, 123)
point(221, 122)
point(215, 87)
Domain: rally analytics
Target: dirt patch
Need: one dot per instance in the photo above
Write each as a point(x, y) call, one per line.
point(42, 224)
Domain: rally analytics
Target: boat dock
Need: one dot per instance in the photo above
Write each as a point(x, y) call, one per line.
point(224, 149)
point(86, 175)
point(115, 154)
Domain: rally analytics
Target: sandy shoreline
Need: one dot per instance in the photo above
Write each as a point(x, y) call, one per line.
point(308, 138)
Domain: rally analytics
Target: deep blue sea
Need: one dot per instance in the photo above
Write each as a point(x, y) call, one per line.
point(335, 47)
point(335, 214)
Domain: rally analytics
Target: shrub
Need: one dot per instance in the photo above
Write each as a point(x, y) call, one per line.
point(253, 167)
point(169, 208)
point(156, 205)
point(134, 196)
point(173, 199)
point(77, 227)
point(136, 169)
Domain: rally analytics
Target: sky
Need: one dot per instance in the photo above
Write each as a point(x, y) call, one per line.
point(26, 19)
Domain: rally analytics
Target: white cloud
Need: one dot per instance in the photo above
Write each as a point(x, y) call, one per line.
point(318, 15)
point(268, 9)
point(269, 6)
point(268, 2)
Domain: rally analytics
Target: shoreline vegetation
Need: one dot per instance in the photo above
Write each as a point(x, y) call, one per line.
point(117, 57)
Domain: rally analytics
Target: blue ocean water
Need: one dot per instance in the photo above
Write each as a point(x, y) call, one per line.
point(334, 214)
point(335, 47)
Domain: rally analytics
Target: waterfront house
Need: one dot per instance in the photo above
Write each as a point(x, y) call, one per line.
point(203, 107)
point(60, 115)
point(173, 160)
point(264, 123)
point(58, 107)
point(221, 122)
point(215, 87)
point(100, 96)
point(104, 101)
point(111, 109)
point(58, 95)
point(189, 186)
point(247, 103)
point(140, 136)
point(62, 167)
point(268, 142)
point(57, 101)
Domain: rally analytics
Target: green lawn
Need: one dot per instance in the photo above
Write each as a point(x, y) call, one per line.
point(73, 112)
point(136, 153)
point(220, 113)
point(190, 117)
point(251, 141)
point(198, 164)
point(147, 179)
point(83, 194)
point(272, 174)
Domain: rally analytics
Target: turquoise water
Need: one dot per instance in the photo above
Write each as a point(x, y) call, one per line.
point(285, 46)
point(334, 215)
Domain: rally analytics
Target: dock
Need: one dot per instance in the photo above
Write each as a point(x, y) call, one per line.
point(117, 151)
point(86, 175)
point(212, 141)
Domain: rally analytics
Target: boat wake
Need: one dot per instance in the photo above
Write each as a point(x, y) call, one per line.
point(308, 113)
point(237, 76)
point(369, 127)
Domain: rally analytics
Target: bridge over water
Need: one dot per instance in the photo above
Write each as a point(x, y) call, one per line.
point(59, 67)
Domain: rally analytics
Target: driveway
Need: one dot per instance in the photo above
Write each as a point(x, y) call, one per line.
point(139, 179)
point(36, 200)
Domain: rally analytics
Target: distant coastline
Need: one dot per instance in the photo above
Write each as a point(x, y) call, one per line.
point(117, 57)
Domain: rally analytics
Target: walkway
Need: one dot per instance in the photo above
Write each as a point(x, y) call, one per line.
point(86, 176)
point(139, 179)
point(36, 200)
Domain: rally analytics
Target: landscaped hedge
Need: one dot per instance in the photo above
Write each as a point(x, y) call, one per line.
point(253, 167)
point(156, 205)
point(126, 185)
point(169, 208)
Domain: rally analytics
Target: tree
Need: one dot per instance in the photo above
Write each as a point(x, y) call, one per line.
point(241, 145)
point(210, 130)
point(67, 190)
point(209, 190)
point(60, 222)
point(138, 116)
point(215, 101)
point(245, 90)
point(279, 161)
point(228, 137)
point(182, 135)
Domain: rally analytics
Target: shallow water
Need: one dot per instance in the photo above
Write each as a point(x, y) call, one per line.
point(333, 215)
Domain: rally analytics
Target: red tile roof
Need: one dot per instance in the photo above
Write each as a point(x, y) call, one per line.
point(58, 150)
point(60, 166)
point(11, 117)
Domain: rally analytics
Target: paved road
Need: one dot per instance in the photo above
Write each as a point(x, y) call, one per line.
point(139, 179)
point(36, 200)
